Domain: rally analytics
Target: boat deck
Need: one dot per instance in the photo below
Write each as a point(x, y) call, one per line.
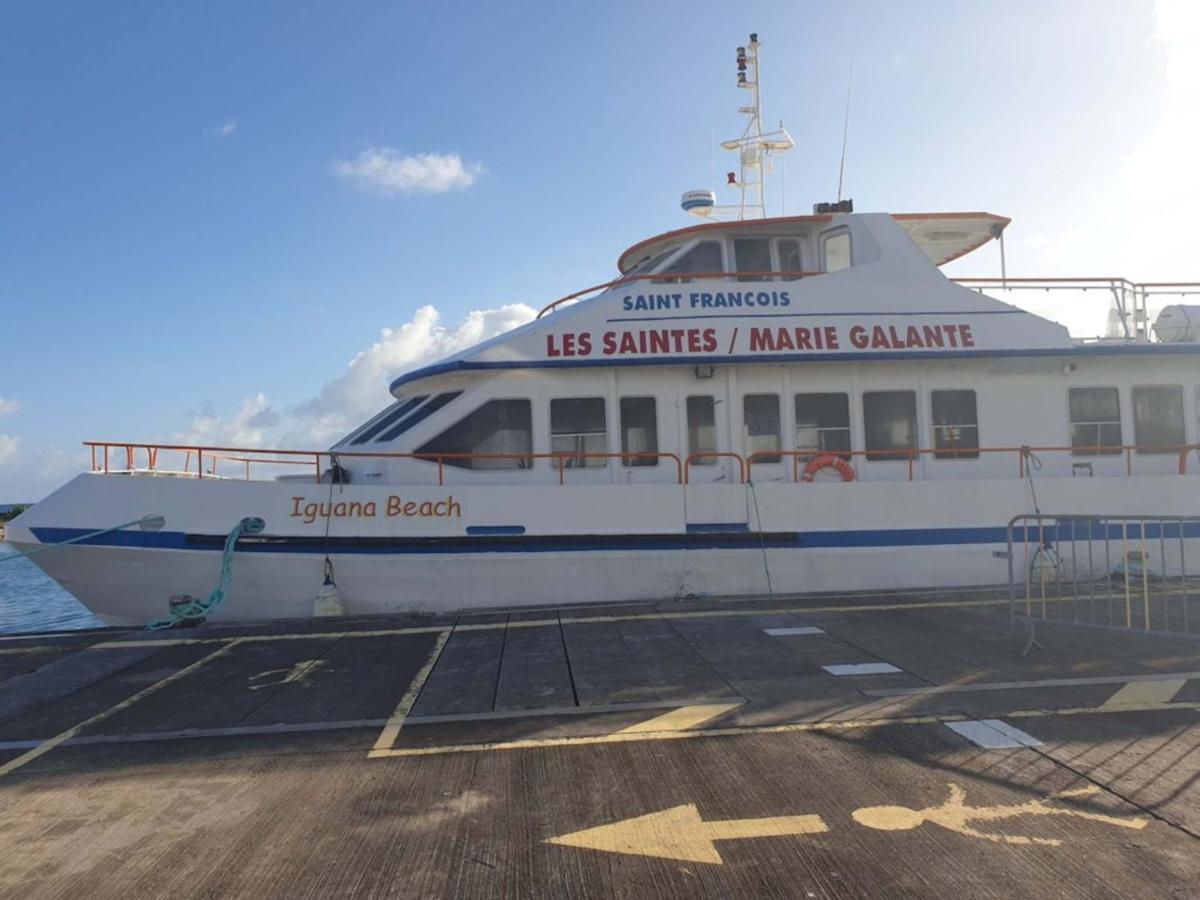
point(839, 747)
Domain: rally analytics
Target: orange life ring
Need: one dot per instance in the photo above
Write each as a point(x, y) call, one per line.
point(828, 461)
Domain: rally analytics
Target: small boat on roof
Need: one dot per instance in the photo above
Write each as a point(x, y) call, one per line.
point(753, 405)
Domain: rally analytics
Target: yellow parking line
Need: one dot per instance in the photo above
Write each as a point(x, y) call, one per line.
point(46, 746)
point(681, 719)
point(1138, 693)
point(391, 730)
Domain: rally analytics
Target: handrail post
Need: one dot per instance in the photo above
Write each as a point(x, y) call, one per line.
point(441, 471)
point(200, 463)
point(910, 463)
point(1128, 461)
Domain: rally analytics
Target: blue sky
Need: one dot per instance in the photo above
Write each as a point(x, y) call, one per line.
point(196, 241)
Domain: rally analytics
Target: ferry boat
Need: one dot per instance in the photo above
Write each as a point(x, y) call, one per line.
point(755, 405)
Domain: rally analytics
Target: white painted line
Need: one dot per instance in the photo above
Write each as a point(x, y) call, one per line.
point(683, 718)
point(993, 734)
point(862, 669)
point(1017, 685)
point(802, 629)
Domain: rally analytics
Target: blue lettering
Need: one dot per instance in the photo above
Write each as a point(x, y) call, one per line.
point(784, 299)
point(627, 303)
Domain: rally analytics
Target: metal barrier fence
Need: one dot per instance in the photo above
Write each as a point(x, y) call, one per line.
point(1112, 571)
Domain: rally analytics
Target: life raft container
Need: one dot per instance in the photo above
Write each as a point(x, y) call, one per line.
point(828, 461)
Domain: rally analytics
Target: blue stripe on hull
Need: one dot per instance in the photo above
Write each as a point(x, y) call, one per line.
point(693, 540)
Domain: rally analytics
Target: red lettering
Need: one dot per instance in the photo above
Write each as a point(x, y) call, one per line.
point(933, 336)
point(858, 337)
point(831, 338)
point(879, 338)
point(659, 342)
point(551, 350)
point(568, 344)
point(912, 337)
point(951, 334)
point(968, 340)
point(761, 339)
point(610, 343)
point(677, 338)
point(710, 340)
point(693, 340)
point(897, 342)
point(585, 344)
point(804, 338)
point(628, 343)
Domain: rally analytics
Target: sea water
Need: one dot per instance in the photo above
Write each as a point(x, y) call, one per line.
point(31, 601)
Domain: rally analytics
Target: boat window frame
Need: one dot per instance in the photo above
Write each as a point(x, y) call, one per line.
point(947, 452)
point(577, 462)
point(1182, 417)
point(638, 462)
point(682, 278)
point(687, 424)
point(430, 406)
point(828, 235)
point(1097, 449)
point(769, 455)
point(899, 454)
point(848, 428)
point(777, 260)
point(523, 463)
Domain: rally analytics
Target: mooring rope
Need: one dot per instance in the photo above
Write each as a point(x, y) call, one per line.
point(146, 523)
point(198, 609)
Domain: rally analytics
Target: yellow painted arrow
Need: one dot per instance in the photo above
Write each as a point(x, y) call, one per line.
point(679, 833)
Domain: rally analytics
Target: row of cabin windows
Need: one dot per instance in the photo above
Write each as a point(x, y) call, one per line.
point(500, 433)
point(1158, 420)
point(752, 256)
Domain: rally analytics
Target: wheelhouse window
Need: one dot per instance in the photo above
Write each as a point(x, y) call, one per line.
point(639, 431)
point(498, 427)
point(419, 415)
point(760, 416)
point(835, 248)
point(702, 429)
point(823, 423)
point(1158, 419)
point(651, 263)
point(955, 425)
point(890, 423)
point(577, 426)
point(789, 258)
point(704, 259)
point(752, 255)
point(388, 418)
point(1095, 421)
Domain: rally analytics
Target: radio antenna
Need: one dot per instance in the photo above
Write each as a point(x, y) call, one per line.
point(845, 128)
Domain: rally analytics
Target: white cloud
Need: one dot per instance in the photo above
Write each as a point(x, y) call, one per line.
point(362, 389)
point(8, 447)
point(227, 128)
point(387, 171)
point(248, 428)
point(8, 407)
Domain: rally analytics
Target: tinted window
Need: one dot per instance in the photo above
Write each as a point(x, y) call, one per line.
point(1158, 419)
point(704, 258)
point(497, 427)
point(639, 430)
point(577, 426)
point(1095, 421)
point(398, 412)
point(761, 420)
point(890, 422)
point(955, 425)
point(752, 255)
point(702, 429)
point(823, 423)
point(420, 415)
point(789, 259)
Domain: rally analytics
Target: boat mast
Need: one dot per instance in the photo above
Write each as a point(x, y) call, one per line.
point(754, 149)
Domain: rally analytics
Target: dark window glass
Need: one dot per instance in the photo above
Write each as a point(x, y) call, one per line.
point(639, 430)
point(789, 259)
point(955, 425)
point(420, 415)
point(823, 423)
point(1095, 421)
point(398, 412)
point(761, 420)
point(890, 422)
point(704, 258)
point(752, 255)
point(499, 426)
point(1158, 419)
point(577, 426)
point(702, 429)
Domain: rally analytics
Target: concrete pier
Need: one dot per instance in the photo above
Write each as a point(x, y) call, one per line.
point(872, 746)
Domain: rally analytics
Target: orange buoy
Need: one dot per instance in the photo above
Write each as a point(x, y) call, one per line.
point(828, 461)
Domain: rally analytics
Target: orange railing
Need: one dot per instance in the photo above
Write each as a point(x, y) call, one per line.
point(248, 456)
point(207, 459)
point(673, 277)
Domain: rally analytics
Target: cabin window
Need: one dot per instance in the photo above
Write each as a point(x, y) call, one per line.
point(639, 430)
point(890, 422)
point(752, 255)
point(702, 429)
point(577, 426)
point(789, 259)
point(650, 264)
point(498, 427)
point(835, 247)
point(823, 423)
point(705, 259)
point(760, 415)
point(1158, 419)
point(1095, 421)
point(420, 415)
point(389, 418)
point(955, 425)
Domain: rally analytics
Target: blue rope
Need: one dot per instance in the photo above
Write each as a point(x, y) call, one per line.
point(198, 609)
